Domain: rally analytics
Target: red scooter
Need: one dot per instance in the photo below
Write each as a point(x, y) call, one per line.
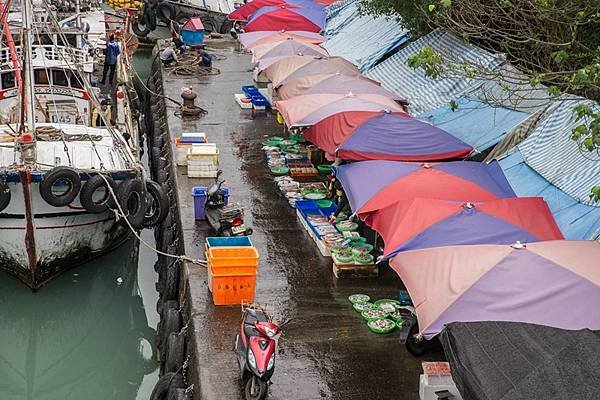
point(255, 347)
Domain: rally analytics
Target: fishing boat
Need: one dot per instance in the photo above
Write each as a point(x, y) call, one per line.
point(69, 192)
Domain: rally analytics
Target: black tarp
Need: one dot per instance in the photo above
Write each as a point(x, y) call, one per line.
point(511, 360)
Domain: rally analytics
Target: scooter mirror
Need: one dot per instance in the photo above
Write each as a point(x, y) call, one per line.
point(219, 173)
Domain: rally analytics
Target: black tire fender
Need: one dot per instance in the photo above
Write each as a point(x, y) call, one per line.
point(178, 394)
point(157, 204)
point(171, 288)
point(170, 323)
point(60, 174)
point(5, 195)
point(139, 28)
point(167, 382)
point(166, 12)
point(86, 196)
point(175, 352)
point(132, 199)
point(150, 18)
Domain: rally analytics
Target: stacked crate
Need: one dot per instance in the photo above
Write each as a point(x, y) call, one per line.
point(203, 160)
point(185, 142)
point(232, 268)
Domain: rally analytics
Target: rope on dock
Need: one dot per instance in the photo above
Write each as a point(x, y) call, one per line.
point(120, 214)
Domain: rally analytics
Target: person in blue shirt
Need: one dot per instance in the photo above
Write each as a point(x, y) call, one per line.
point(111, 53)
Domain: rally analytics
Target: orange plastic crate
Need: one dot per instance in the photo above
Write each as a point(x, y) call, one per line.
point(233, 260)
point(230, 289)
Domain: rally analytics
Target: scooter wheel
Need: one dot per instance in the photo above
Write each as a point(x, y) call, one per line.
point(248, 232)
point(256, 389)
point(414, 346)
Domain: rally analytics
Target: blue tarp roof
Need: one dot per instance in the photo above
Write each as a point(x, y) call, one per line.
point(575, 220)
point(476, 123)
point(550, 150)
point(425, 93)
point(361, 39)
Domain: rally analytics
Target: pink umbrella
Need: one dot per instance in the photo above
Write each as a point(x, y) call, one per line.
point(337, 83)
point(309, 109)
point(554, 283)
point(253, 39)
point(269, 53)
point(295, 67)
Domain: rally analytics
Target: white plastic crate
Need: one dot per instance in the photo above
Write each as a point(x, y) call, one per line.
point(202, 171)
point(429, 384)
point(181, 150)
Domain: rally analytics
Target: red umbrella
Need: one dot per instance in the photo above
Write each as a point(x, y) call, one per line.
point(275, 18)
point(245, 11)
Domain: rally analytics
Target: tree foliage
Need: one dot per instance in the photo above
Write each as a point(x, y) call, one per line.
point(555, 42)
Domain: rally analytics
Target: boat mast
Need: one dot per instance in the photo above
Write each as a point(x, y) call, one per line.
point(28, 153)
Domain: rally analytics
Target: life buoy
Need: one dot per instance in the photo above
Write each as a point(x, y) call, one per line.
point(60, 175)
point(4, 195)
point(88, 199)
point(132, 199)
point(157, 204)
point(166, 12)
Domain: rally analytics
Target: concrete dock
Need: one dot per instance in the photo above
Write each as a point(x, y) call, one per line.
point(326, 351)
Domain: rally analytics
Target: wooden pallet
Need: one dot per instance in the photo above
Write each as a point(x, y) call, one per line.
point(341, 270)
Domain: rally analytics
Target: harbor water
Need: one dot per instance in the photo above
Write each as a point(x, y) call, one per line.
point(89, 334)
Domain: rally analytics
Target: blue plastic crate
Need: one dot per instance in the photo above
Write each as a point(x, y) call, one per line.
point(250, 90)
point(259, 101)
point(237, 241)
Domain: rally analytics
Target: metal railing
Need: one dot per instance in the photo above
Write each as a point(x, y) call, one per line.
point(43, 54)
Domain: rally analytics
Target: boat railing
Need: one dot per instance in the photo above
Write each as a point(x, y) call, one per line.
point(50, 55)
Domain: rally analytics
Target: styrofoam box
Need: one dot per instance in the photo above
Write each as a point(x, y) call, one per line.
point(238, 99)
point(429, 384)
point(193, 137)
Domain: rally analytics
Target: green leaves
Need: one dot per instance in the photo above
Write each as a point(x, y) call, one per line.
point(595, 193)
point(429, 60)
point(431, 7)
point(560, 56)
point(453, 105)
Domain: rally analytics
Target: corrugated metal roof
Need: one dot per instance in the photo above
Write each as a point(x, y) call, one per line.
point(361, 39)
point(475, 123)
point(577, 221)
point(554, 155)
point(425, 93)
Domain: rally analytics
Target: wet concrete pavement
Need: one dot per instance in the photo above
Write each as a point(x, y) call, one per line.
point(326, 350)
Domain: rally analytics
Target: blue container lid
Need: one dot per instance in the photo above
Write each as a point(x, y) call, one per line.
point(237, 241)
point(199, 191)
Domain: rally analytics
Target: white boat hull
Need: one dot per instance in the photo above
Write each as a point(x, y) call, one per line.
point(38, 248)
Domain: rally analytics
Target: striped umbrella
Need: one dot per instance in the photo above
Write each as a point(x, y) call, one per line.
point(276, 18)
point(309, 109)
point(336, 83)
point(295, 67)
point(244, 12)
point(269, 53)
point(252, 39)
point(373, 185)
point(376, 135)
point(426, 223)
point(554, 283)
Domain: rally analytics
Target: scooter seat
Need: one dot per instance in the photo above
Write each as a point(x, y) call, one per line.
point(250, 330)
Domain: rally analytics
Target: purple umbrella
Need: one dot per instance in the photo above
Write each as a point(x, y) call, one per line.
point(337, 83)
point(554, 283)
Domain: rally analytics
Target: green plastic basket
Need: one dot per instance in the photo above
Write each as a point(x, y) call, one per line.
point(360, 307)
point(324, 168)
point(363, 259)
point(359, 298)
point(373, 313)
point(373, 325)
point(280, 170)
point(324, 203)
